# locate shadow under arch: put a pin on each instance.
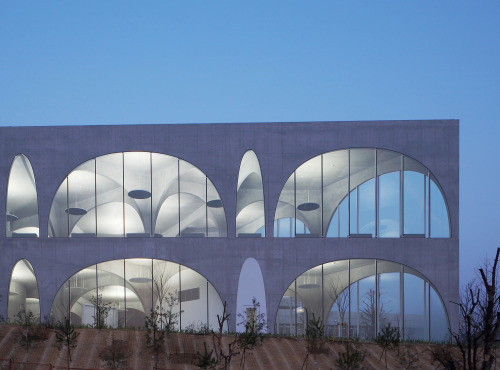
(131, 288)
(358, 297)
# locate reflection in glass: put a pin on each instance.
(22, 203)
(250, 219)
(363, 193)
(359, 297)
(23, 291)
(137, 194)
(130, 289)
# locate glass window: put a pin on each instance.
(286, 209)
(335, 183)
(137, 187)
(389, 205)
(308, 200)
(389, 305)
(23, 291)
(81, 200)
(336, 298)
(22, 203)
(438, 319)
(415, 308)
(440, 227)
(165, 195)
(109, 195)
(362, 194)
(250, 219)
(136, 194)
(286, 316)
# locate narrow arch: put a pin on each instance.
(250, 215)
(22, 202)
(250, 287)
(23, 292)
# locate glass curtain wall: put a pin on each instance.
(359, 297)
(361, 193)
(250, 219)
(21, 219)
(23, 291)
(137, 194)
(122, 293)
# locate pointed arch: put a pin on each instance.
(23, 291)
(22, 201)
(250, 219)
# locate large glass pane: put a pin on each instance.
(166, 291)
(389, 297)
(308, 196)
(250, 198)
(388, 175)
(109, 195)
(362, 169)
(389, 206)
(81, 200)
(333, 228)
(309, 298)
(366, 208)
(335, 183)
(23, 291)
(137, 185)
(440, 227)
(193, 299)
(83, 294)
(286, 208)
(111, 299)
(336, 298)
(414, 202)
(193, 203)
(165, 195)
(438, 319)
(216, 218)
(58, 218)
(363, 299)
(60, 310)
(415, 309)
(22, 203)
(139, 297)
(286, 319)
(215, 307)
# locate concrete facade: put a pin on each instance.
(217, 149)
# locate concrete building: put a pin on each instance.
(352, 222)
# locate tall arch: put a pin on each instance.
(250, 219)
(23, 291)
(362, 192)
(22, 202)
(137, 194)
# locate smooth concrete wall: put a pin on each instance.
(217, 149)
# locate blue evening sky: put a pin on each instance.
(129, 62)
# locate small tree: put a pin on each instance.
(115, 355)
(66, 337)
(315, 334)
(480, 319)
(255, 325)
(155, 334)
(388, 340)
(26, 319)
(222, 356)
(351, 359)
(206, 359)
(101, 311)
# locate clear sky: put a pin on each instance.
(124, 62)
